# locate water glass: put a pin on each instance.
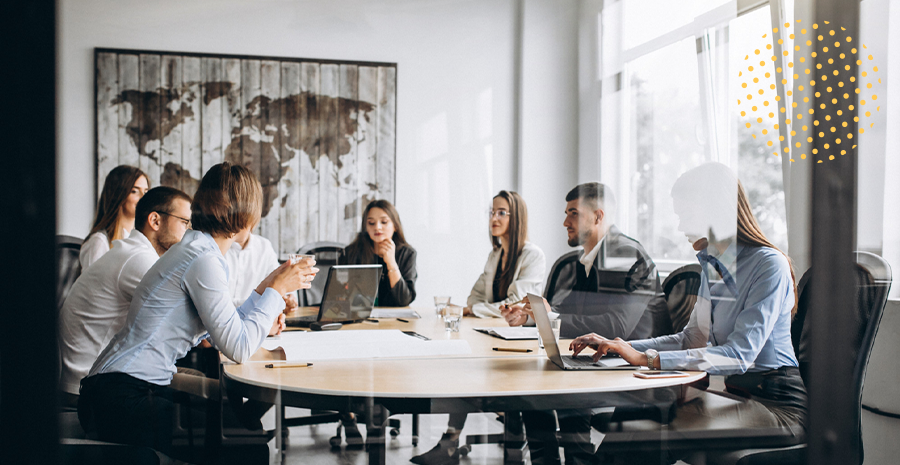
(439, 303)
(554, 325)
(295, 258)
(452, 317)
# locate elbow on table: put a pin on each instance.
(240, 355)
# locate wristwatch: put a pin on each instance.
(652, 355)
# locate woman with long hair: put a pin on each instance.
(514, 268)
(183, 299)
(741, 324)
(381, 241)
(122, 189)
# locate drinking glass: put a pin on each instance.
(295, 258)
(439, 303)
(452, 317)
(554, 325)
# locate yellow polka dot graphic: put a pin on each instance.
(790, 53)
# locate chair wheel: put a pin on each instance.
(395, 432)
(464, 450)
(415, 441)
(335, 441)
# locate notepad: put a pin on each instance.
(394, 313)
(361, 345)
(518, 333)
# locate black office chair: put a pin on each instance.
(327, 255)
(874, 278)
(69, 268)
(681, 288)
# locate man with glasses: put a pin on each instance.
(98, 303)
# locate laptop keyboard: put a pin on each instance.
(580, 360)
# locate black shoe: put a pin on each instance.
(446, 452)
(354, 438)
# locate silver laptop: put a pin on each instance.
(540, 307)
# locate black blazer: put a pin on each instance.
(615, 300)
(404, 292)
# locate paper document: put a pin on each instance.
(394, 313)
(518, 333)
(360, 345)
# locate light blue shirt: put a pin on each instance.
(183, 297)
(749, 317)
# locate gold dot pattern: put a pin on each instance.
(839, 96)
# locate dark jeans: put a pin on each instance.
(122, 409)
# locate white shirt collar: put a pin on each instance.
(139, 238)
(587, 258)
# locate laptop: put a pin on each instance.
(349, 296)
(540, 307)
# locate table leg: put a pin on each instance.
(279, 418)
(513, 439)
(376, 419)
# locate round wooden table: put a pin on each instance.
(482, 381)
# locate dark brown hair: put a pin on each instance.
(598, 194)
(116, 189)
(228, 200)
(517, 234)
(362, 249)
(160, 200)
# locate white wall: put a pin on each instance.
(455, 102)
(549, 119)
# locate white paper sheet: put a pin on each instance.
(360, 345)
(394, 313)
(517, 333)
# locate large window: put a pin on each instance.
(670, 103)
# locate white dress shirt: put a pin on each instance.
(587, 259)
(248, 266)
(182, 298)
(94, 247)
(528, 277)
(98, 304)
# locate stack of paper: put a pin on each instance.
(359, 345)
(518, 333)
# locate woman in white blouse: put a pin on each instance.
(122, 189)
(514, 268)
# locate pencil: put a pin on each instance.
(511, 349)
(401, 319)
(289, 365)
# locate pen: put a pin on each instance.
(289, 365)
(511, 349)
(369, 320)
(401, 319)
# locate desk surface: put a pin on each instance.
(484, 372)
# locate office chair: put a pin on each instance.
(69, 268)
(874, 278)
(327, 255)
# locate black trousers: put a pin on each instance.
(574, 437)
(122, 409)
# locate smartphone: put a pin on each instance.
(654, 374)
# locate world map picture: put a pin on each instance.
(319, 134)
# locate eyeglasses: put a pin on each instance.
(186, 221)
(500, 213)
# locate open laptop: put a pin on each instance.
(349, 296)
(540, 307)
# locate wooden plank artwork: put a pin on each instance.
(319, 135)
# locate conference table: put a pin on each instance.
(483, 380)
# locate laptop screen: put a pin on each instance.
(349, 293)
(540, 309)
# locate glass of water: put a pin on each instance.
(554, 325)
(295, 258)
(452, 317)
(440, 301)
